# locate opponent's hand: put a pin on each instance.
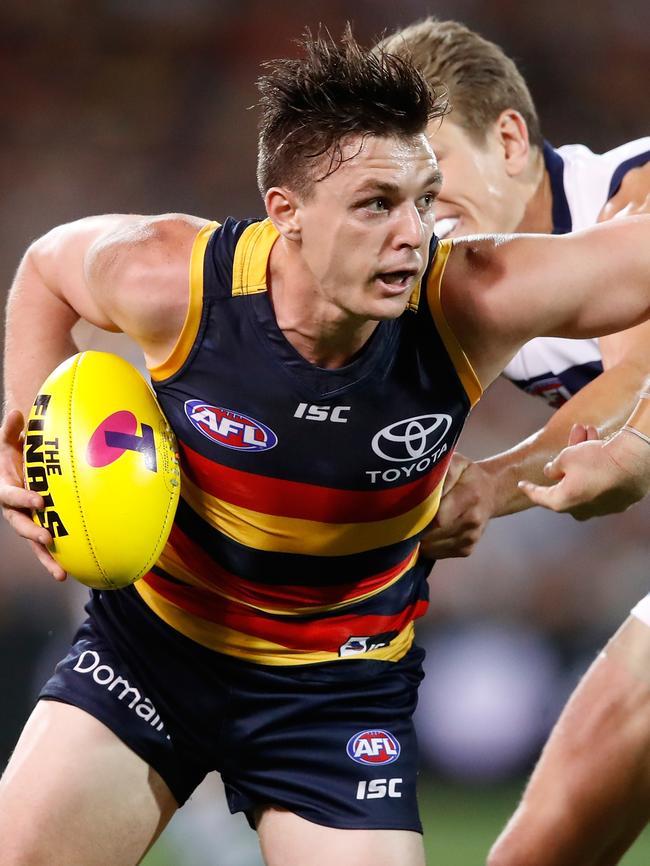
(594, 478)
(465, 508)
(17, 502)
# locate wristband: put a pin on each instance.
(636, 432)
(639, 420)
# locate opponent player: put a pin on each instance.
(317, 374)
(500, 175)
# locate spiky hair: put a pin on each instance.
(336, 90)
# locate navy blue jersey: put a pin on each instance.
(304, 490)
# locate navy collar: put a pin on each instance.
(555, 167)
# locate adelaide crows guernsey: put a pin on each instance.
(304, 490)
(582, 183)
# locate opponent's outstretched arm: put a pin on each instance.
(475, 492)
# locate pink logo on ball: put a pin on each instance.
(117, 434)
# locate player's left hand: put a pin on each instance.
(593, 478)
(465, 508)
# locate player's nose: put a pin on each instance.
(409, 227)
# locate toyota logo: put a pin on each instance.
(411, 438)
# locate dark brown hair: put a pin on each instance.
(480, 79)
(337, 89)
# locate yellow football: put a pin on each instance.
(103, 456)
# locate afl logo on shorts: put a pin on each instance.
(229, 428)
(373, 747)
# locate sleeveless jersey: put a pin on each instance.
(304, 490)
(582, 182)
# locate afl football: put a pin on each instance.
(103, 456)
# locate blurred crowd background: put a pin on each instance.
(147, 106)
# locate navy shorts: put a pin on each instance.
(332, 742)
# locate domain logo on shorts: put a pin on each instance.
(373, 747)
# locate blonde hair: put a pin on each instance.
(481, 81)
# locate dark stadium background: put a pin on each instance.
(143, 106)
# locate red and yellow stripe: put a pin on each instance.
(284, 534)
(233, 629)
(188, 563)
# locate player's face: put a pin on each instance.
(365, 230)
(478, 194)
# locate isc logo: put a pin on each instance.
(322, 413)
(373, 747)
(376, 789)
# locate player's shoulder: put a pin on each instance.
(583, 181)
(637, 150)
(157, 230)
(144, 243)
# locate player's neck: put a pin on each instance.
(538, 214)
(323, 335)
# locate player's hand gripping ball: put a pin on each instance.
(103, 456)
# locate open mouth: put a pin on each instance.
(398, 281)
(445, 226)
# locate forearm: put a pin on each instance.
(37, 337)
(634, 440)
(605, 403)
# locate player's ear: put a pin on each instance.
(512, 133)
(282, 208)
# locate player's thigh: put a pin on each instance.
(74, 795)
(590, 792)
(289, 840)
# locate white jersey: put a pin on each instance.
(641, 610)
(582, 182)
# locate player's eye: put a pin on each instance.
(426, 201)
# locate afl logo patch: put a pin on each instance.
(229, 428)
(373, 747)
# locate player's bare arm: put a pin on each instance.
(118, 272)
(487, 281)
(476, 492)
(478, 286)
(604, 403)
(495, 302)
